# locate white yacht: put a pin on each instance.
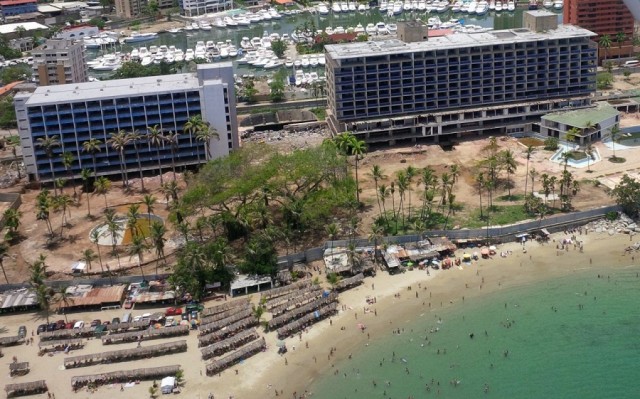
(219, 23)
(407, 5)
(335, 7)
(178, 55)
(344, 6)
(139, 37)
(397, 8)
(442, 7)
(482, 8)
(381, 28)
(322, 9)
(245, 43)
(456, 7)
(392, 28)
(135, 54)
(352, 7)
(288, 62)
(362, 8)
(146, 60)
(266, 42)
(547, 3)
(383, 6)
(230, 22)
(371, 29)
(558, 5)
(499, 6)
(422, 5)
(359, 29)
(110, 62)
(189, 55)
(511, 6)
(492, 5)
(472, 8)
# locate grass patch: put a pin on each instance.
(320, 113)
(617, 160)
(499, 215)
(512, 197)
(531, 141)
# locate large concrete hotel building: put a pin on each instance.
(483, 83)
(78, 112)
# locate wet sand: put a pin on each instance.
(264, 374)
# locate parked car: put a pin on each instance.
(185, 316)
(173, 311)
(22, 331)
(61, 324)
(70, 324)
(52, 327)
(137, 318)
(194, 315)
(96, 323)
(42, 328)
(106, 323)
(79, 324)
(169, 322)
(115, 320)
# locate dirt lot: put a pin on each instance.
(391, 160)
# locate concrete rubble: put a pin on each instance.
(624, 224)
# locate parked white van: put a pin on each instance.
(632, 63)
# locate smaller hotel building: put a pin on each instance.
(78, 112)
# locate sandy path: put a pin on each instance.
(440, 289)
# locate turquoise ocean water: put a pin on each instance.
(573, 337)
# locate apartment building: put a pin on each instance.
(604, 17)
(484, 83)
(193, 8)
(76, 113)
(59, 61)
(130, 8)
(9, 8)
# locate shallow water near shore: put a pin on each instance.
(571, 337)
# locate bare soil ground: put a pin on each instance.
(465, 154)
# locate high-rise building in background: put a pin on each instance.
(59, 61)
(76, 113)
(605, 17)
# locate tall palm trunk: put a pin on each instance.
(526, 179)
(159, 163)
(135, 147)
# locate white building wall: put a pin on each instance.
(24, 131)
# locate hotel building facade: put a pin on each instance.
(483, 83)
(78, 112)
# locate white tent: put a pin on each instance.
(167, 384)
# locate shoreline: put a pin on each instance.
(264, 373)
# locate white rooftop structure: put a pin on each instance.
(244, 282)
(113, 88)
(454, 40)
(11, 28)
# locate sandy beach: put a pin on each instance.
(267, 373)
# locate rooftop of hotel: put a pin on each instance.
(113, 88)
(454, 40)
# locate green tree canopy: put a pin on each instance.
(278, 47)
(627, 195)
(15, 72)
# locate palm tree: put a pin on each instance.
(119, 142)
(64, 297)
(67, 161)
(62, 202)
(193, 125)
(47, 144)
(403, 183)
(383, 194)
(102, 185)
(170, 190)
(481, 182)
(133, 138)
(133, 214)
(156, 138)
(149, 201)
(158, 231)
(12, 222)
(85, 174)
(95, 237)
(428, 180)
(605, 43)
(172, 139)
(375, 236)
(43, 206)
(411, 172)
(589, 150)
(510, 165)
(206, 134)
(88, 256)
(93, 146)
(377, 174)
(137, 248)
(114, 228)
(614, 133)
(357, 148)
(528, 153)
(532, 175)
(572, 134)
(4, 250)
(620, 39)
(445, 183)
(332, 232)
